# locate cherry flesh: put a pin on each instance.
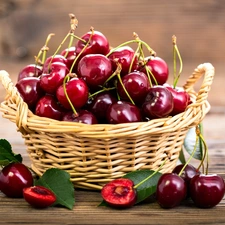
(84, 116)
(158, 103)
(77, 91)
(30, 90)
(30, 70)
(54, 78)
(119, 193)
(136, 84)
(123, 112)
(94, 69)
(14, 178)
(159, 69)
(124, 55)
(48, 107)
(207, 191)
(98, 44)
(171, 190)
(39, 196)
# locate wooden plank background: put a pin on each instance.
(198, 25)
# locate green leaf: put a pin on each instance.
(189, 144)
(7, 155)
(148, 187)
(58, 181)
(182, 156)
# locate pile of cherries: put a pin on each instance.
(91, 82)
(205, 190)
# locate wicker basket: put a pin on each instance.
(96, 154)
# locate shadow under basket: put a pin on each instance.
(96, 154)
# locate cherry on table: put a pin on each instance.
(119, 193)
(14, 178)
(207, 191)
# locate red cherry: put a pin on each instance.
(137, 86)
(123, 112)
(38, 196)
(51, 80)
(77, 91)
(14, 178)
(124, 55)
(94, 69)
(48, 107)
(98, 44)
(158, 103)
(207, 191)
(70, 55)
(119, 193)
(31, 70)
(159, 69)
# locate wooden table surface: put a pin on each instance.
(86, 210)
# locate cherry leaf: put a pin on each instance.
(148, 187)
(7, 155)
(58, 181)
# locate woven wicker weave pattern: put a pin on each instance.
(96, 154)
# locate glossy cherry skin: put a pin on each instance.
(51, 81)
(94, 69)
(98, 44)
(30, 90)
(119, 193)
(14, 178)
(124, 55)
(159, 69)
(39, 196)
(70, 55)
(100, 105)
(84, 116)
(158, 103)
(51, 59)
(123, 112)
(136, 84)
(77, 91)
(171, 190)
(181, 99)
(207, 191)
(48, 107)
(30, 70)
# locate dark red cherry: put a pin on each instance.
(77, 91)
(30, 70)
(158, 102)
(39, 196)
(100, 104)
(84, 116)
(159, 69)
(125, 56)
(136, 84)
(207, 191)
(94, 69)
(171, 190)
(48, 107)
(30, 90)
(52, 59)
(98, 44)
(14, 178)
(181, 99)
(119, 193)
(70, 55)
(54, 78)
(123, 112)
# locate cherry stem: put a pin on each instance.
(69, 75)
(150, 176)
(176, 53)
(86, 45)
(102, 90)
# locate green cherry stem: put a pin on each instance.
(150, 176)
(176, 53)
(102, 90)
